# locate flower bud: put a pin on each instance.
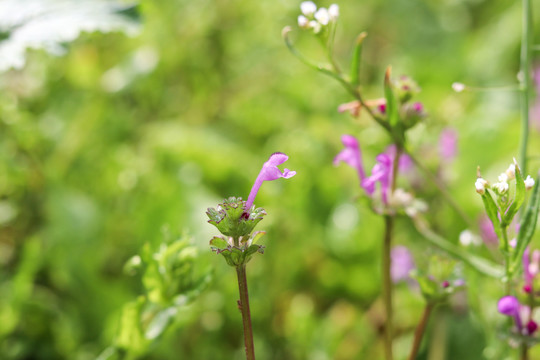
(480, 185)
(333, 11)
(308, 8)
(529, 182)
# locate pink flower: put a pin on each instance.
(448, 144)
(351, 155)
(269, 172)
(510, 306)
(402, 263)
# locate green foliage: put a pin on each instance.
(170, 283)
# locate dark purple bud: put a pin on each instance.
(445, 284)
(531, 327)
(382, 108)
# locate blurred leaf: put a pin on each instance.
(527, 226)
(492, 212)
(357, 60)
(519, 198)
(49, 24)
(391, 103)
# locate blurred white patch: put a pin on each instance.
(467, 238)
(345, 217)
(145, 59)
(7, 212)
(114, 80)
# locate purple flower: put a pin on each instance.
(381, 173)
(448, 144)
(352, 155)
(509, 305)
(269, 172)
(402, 263)
(531, 268)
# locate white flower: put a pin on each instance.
(303, 21)
(480, 185)
(500, 187)
(503, 177)
(333, 11)
(458, 87)
(467, 238)
(308, 8)
(315, 26)
(511, 172)
(322, 16)
(529, 182)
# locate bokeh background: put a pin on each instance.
(125, 137)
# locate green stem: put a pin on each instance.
(419, 333)
(526, 82)
(505, 247)
(387, 285)
(243, 304)
(524, 352)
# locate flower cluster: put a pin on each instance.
(317, 19)
(235, 219)
(510, 306)
(501, 187)
(381, 177)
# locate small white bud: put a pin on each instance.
(316, 26)
(333, 11)
(511, 172)
(500, 187)
(458, 87)
(303, 21)
(529, 182)
(480, 185)
(308, 8)
(322, 16)
(503, 177)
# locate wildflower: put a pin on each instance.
(511, 172)
(308, 8)
(269, 172)
(351, 155)
(333, 11)
(303, 21)
(529, 182)
(480, 185)
(322, 16)
(381, 173)
(458, 87)
(448, 144)
(531, 268)
(510, 306)
(500, 187)
(401, 265)
(487, 232)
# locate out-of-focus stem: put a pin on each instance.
(387, 285)
(525, 79)
(419, 332)
(246, 314)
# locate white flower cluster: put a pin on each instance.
(501, 187)
(316, 19)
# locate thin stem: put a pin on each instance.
(505, 247)
(526, 83)
(524, 352)
(419, 333)
(387, 285)
(243, 304)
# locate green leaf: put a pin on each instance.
(527, 226)
(391, 103)
(518, 199)
(356, 60)
(159, 323)
(219, 243)
(492, 212)
(36, 25)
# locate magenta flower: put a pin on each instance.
(352, 155)
(510, 306)
(381, 173)
(448, 144)
(269, 172)
(531, 268)
(401, 265)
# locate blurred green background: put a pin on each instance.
(124, 136)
